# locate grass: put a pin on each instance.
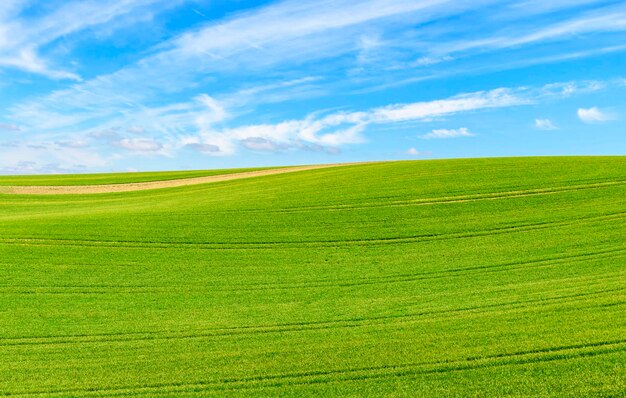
(110, 178)
(486, 277)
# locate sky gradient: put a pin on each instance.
(92, 86)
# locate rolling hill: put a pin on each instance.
(470, 277)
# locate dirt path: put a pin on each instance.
(140, 186)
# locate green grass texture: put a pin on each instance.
(111, 178)
(447, 278)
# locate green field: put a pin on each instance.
(485, 277)
(110, 178)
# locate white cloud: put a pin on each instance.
(566, 89)
(9, 127)
(415, 152)
(30, 33)
(445, 133)
(331, 131)
(594, 115)
(606, 20)
(36, 157)
(280, 25)
(430, 60)
(209, 143)
(214, 112)
(27, 60)
(283, 33)
(533, 7)
(136, 130)
(328, 132)
(286, 33)
(76, 143)
(342, 128)
(545, 124)
(165, 93)
(347, 128)
(497, 98)
(261, 144)
(205, 148)
(199, 124)
(367, 46)
(140, 144)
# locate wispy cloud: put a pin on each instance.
(415, 152)
(277, 29)
(22, 37)
(594, 115)
(497, 98)
(26, 59)
(287, 33)
(20, 158)
(9, 127)
(447, 133)
(534, 40)
(143, 145)
(344, 128)
(535, 7)
(198, 125)
(605, 20)
(545, 124)
(76, 143)
(281, 76)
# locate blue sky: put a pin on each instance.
(91, 86)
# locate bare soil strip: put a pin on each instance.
(141, 186)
